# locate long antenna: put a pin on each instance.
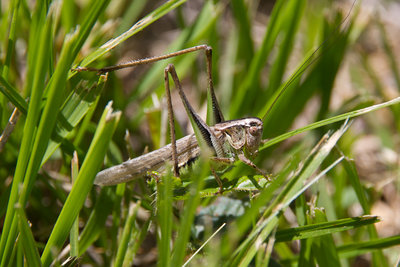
(310, 60)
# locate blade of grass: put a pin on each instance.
(49, 116)
(252, 78)
(350, 168)
(263, 199)
(268, 225)
(189, 37)
(287, 102)
(74, 233)
(140, 25)
(245, 252)
(358, 248)
(74, 109)
(293, 12)
(12, 95)
(131, 15)
(97, 220)
(97, 7)
(26, 239)
(323, 247)
(164, 219)
(9, 228)
(186, 221)
(324, 228)
(328, 121)
(245, 42)
(14, 7)
(83, 184)
(138, 241)
(126, 234)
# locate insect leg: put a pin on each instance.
(214, 110)
(212, 102)
(141, 61)
(171, 123)
(221, 186)
(248, 162)
(201, 129)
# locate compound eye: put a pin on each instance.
(253, 130)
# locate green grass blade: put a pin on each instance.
(12, 95)
(97, 7)
(186, 221)
(83, 184)
(165, 219)
(290, 99)
(131, 15)
(14, 7)
(292, 190)
(324, 249)
(49, 116)
(324, 228)
(245, 42)
(363, 247)
(252, 79)
(293, 12)
(126, 234)
(342, 117)
(140, 25)
(354, 179)
(27, 240)
(73, 111)
(265, 197)
(9, 228)
(74, 233)
(189, 37)
(96, 222)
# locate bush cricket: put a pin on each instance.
(228, 141)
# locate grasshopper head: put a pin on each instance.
(243, 134)
(254, 130)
